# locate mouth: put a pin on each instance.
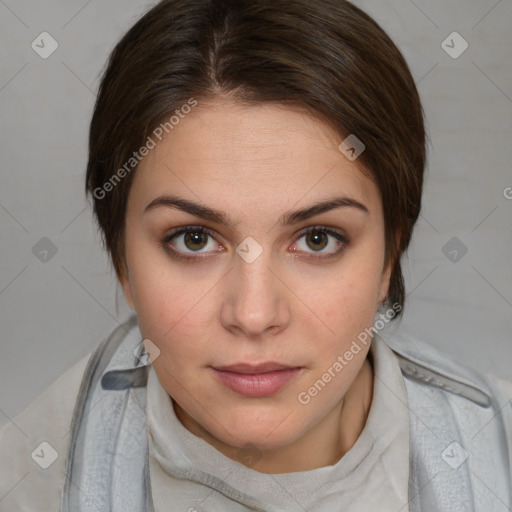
(255, 380)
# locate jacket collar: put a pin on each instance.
(422, 362)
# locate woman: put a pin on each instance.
(256, 172)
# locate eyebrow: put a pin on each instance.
(219, 217)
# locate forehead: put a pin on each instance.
(249, 156)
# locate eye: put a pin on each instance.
(189, 238)
(318, 238)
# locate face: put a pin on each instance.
(249, 303)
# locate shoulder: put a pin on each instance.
(33, 446)
(458, 412)
(424, 364)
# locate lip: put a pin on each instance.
(247, 368)
(255, 380)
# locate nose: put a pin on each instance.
(256, 301)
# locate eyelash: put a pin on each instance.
(178, 255)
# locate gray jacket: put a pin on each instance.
(460, 432)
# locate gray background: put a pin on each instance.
(53, 313)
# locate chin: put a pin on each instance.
(264, 431)
(259, 440)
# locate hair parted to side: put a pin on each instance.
(325, 55)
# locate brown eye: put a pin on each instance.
(195, 240)
(317, 240)
(184, 242)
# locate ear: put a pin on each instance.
(384, 284)
(386, 275)
(124, 279)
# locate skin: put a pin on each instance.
(298, 303)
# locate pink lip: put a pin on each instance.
(253, 368)
(255, 381)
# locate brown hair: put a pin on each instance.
(325, 55)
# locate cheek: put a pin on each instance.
(348, 299)
(160, 283)
(172, 311)
(157, 288)
(175, 322)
